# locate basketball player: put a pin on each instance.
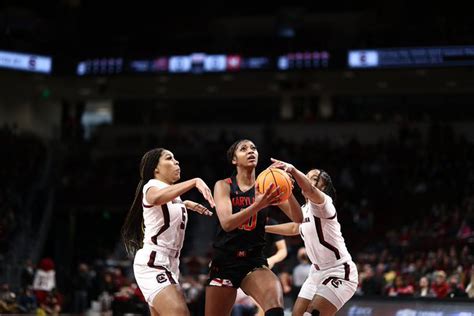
(333, 278)
(238, 259)
(159, 209)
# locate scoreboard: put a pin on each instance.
(199, 63)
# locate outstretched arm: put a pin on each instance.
(157, 196)
(286, 229)
(196, 207)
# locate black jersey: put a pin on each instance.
(250, 235)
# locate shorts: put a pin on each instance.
(155, 270)
(229, 271)
(337, 284)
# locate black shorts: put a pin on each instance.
(229, 269)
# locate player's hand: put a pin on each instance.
(205, 191)
(285, 166)
(271, 196)
(196, 207)
(292, 179)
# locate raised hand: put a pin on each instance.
(285, 166)
(205, 191)
(196, 207)
(271, 196)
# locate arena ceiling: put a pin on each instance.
(86, 27)
(73, 29)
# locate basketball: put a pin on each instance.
(277, 177)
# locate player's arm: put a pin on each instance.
(313, 193)
(292, 209)
(231, 221)
(280, 255)
(196, 207)
(157, 196)
(286, 229)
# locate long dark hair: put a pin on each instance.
(132, 231)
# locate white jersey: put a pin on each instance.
(164, 224)
(322, 236)
(44, 280)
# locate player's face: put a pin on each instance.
(168, 169)
(315, 179)
(246, 154)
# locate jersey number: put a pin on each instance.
(251, 224)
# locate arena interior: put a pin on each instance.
(380, 95)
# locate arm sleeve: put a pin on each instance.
(149, 184)
(325, 209)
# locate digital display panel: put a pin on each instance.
(303, 60)
(201, 63)
(412, 57)
(26, 62)
(100, 66)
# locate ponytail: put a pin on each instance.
(132, 229)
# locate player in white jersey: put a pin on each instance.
(154, 230)
(333, 277)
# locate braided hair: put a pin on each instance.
(328, 186)
(132, 230)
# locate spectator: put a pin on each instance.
(81, 284)
(440, 287)
(424, 289)
(52, 304)
(470, 285)
(7, 300)
(370, 284)
(27, 274)
(455, 287)
(300, 272)
(27, 301)
(400, 287)
(45, 279)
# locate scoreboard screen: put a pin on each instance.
(453, 56)
(201, 63)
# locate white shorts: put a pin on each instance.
(337, 284)
(154, 270)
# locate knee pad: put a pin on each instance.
(313, 313)
(277, 311)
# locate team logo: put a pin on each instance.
(221, 282)
(161, 278)
(336, 283)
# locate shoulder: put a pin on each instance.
(327, 201)
(227, 182)
(223, 185)
(155, 183)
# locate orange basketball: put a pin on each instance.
(277, 177)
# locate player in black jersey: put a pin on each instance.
(238, 247)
